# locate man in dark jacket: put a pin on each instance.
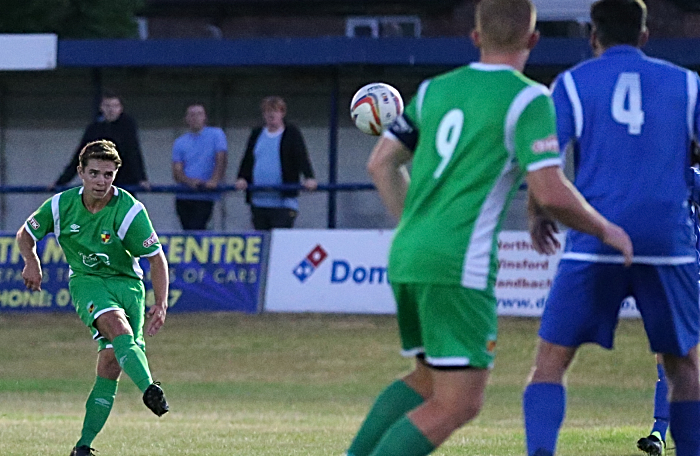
(276, 154)
(120, 128)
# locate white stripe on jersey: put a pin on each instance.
(520, 102)
(692, 101)
(637, 259)
(575, 101)
(56, 215)
(420, 96)
(130, 216)
(475, 271)
(544, 164)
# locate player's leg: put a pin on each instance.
(655, 443)
(570, 319)
(459, 327)
(684, 407)
(114, 326)
(402, 395)
(668, 301)
(101, 399)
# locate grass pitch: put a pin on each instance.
(280, 384)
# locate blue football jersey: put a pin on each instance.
(632, 120)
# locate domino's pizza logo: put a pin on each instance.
(309, 264)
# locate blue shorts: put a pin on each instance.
(585, 300)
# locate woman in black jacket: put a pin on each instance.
(276, 154)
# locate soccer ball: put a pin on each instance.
(375, 107)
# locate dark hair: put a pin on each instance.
(109, 93)
(100, 150)
(618, 21)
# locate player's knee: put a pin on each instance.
(107, 365)
(458, 412)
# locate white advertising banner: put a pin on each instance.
(28, 51)
(345, 271)
(329, 271)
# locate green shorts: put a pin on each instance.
(93, 296)
(453, 326)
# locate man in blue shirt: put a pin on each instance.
(632, 120)
(199, 163)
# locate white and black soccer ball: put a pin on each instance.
(375, 107)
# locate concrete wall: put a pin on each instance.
(42, 117)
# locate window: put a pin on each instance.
(383, 26)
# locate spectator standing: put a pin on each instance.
(115, 125)
(199, 163)
(276, 154)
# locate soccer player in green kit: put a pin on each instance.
(103, 230)
(471, 134)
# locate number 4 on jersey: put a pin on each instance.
(628, 88)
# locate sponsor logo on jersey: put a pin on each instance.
(548, 144)
(74, 228)
(106, 237)
(308, 265)
(152, 239)
(33, 223)
(93, 259)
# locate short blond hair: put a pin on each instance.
(505, 25)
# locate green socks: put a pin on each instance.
(132, 360)
(403, 439)
(393, 403)
(97, 409)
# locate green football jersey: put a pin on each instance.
(479, 129)
(105, 244)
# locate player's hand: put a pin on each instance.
(617, 238)
(241, 184)
(32, 276)
(211, 184)
(156, 318)
(543, 234)
(310, 184)
(145, 185)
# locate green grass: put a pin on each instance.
(279, 384)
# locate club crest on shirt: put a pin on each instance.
(106, 237)
(91, 307)
(33, 223)
(490, 346)
(548, 144)
(152, 239)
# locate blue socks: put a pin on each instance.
(661, 407)
(685, 428)
(544, 406)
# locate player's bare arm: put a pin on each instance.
(559, 199)
(386, 166)
(542, 228)
(31, 273)
(160, 280)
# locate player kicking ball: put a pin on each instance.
(103, 230)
